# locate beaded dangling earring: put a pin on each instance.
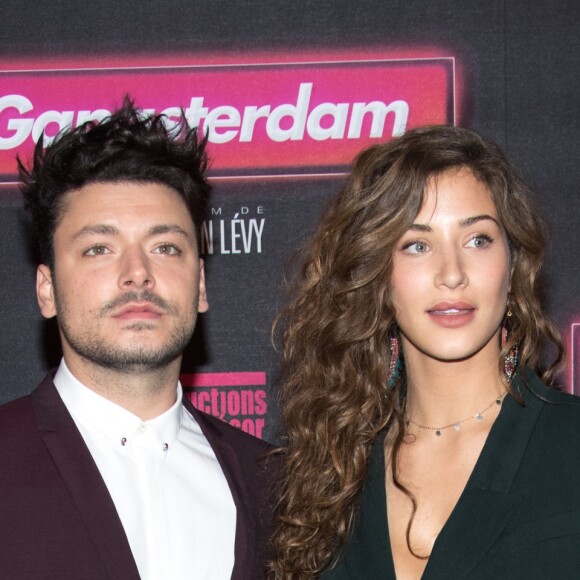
(511, 358)
(395, 364)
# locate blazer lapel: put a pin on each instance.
(245, 550)
(84, 482)
(486, 504)
(476, 522)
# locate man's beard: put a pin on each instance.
(128, 359)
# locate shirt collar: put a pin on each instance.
(93, 411)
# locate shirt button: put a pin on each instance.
(142, 428)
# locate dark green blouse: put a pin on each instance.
(519, 514)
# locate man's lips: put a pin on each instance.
(142, 311)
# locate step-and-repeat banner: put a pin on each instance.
(287, 98)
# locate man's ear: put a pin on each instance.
(203, 303)
(45, 291)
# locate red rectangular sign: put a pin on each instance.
(272, 118)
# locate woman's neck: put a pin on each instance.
(440, 392)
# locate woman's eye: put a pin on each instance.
(415, 247)
(480, 241)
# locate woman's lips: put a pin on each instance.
(452, 315)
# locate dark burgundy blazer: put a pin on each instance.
(57, 519)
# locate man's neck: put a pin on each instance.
(147, 393)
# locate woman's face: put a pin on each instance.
(451, 271)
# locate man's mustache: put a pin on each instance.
(137, 297)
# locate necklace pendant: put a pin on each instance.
(456, 426)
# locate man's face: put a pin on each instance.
(127, 282)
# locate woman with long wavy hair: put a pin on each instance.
(424, 438)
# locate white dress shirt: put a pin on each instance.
(168, 488)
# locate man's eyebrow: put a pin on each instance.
(109, 230)
(97, 229)
(168, 229)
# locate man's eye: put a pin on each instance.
(168, 249)
(97, 251)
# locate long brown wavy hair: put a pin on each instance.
(334, 347)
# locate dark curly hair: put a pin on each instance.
(126, 146)
(334, 347)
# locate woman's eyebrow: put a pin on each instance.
(463, 223)
(477, 218)
(421, 228)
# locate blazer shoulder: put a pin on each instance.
(561, 415)
(17, 417)
(535, 391)
(558, 418)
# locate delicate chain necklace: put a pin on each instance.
(457, 424)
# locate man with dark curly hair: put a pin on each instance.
(106, 471)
